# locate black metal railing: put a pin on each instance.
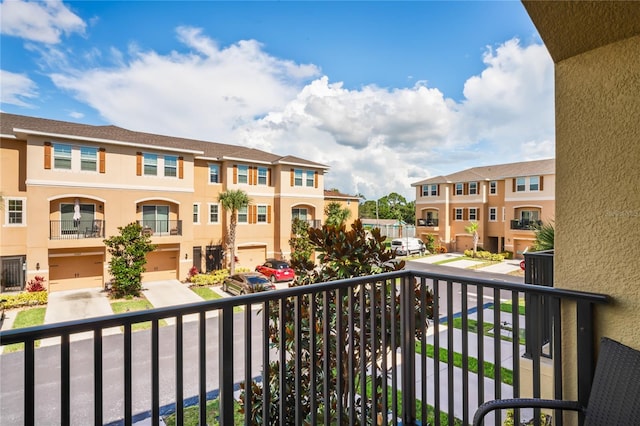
(427, 222)
(421, 370)
(161, 228)
(75, 229)
(529, 225)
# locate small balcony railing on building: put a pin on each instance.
(427, 222)
(387, 364)
(529, 225)
(161, 228)
(75, 229)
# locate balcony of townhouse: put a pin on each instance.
(76, 229)
(525, 224)
(439, 351)
(161, 228)
(430, 222)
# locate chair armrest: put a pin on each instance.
(502, 404)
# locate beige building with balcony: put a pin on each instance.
(66, 187)
(508, 201)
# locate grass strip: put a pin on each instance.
(26, 318)
(134, 305)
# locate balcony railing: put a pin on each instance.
(424, 370)
(529, 225)
(75, 229)
(161, 228)
(427, 222)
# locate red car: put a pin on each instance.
(276, 270)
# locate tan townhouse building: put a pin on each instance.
(508, 201)
(66, 187)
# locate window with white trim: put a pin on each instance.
(298, 213)
(473, 213)
(243, 214)
(261, 214)
(15, 209)
(170, 166)
(310, 178)
(520, 184)
(61, 156)
(534, 183)
(493, 214)
(459, 189)
(243, 174)
(262, 176)
(196, 213)
(458, 214)
(429, 190)
(150, 163)
(214, 213)
(214, 173)
(473, 188)
(493, 187)
(297, 177)
(88, 159)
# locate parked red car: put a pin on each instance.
(276, 270)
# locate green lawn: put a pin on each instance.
(122, 306)
(26, 318)
(192, 415)
(206, 293)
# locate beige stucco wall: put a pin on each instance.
(598, 170)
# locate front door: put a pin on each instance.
(12, 273)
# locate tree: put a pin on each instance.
(545, 235)
(128, 259)
(301, 247)
(341, 254)
(336, 214)
(232, 201)
(473, 230)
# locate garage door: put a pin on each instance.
(75, 272)
(464, 242)
(161, 265)
(251, 256)
(519, 246)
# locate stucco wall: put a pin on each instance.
(598, 191)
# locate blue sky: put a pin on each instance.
(385, 93)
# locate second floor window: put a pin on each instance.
(297, 178)
(15, 211)
(170, 166)
(88, 159)
(458, 214)
(150, 162)
(262, 176)
(243, 174)
(459, 189)
(214, 173)
(298, 213)
(473, 188)
(429, 190)
(310, 178)
(243, 215)
(493, 187)
(520, 184)
(61, 156)
(534, 183)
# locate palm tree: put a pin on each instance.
(336, 214)
(232, 201)
(473, 230)
(545, 235)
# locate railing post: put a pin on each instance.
(225, 345)
(585, 353)
(408, 351)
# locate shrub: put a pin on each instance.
(192, 273)
(36, 284)
(25, 299)
(213, 277)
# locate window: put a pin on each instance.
(88, 159)
(243, 174)
(473, 213)
(459, 189)
(299, 214)
(262, 176)
(493, 214)
(262, 214)
(76, 218)
(243, 215)
(520, 184)
(297, 178)
(214, 173)
(214, 213)
(458, 214)
(155, 218)
(15, 208)
(473, 188)
(150, 162)
(61, 156)
(493, 187)
(528, 217)
(430, 190)
(310, 178)
(196, 213)
(534, 183)
(170, 166)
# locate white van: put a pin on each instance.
(407, 246)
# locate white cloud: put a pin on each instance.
(375, 140)
(42, 21)
(17, 89)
